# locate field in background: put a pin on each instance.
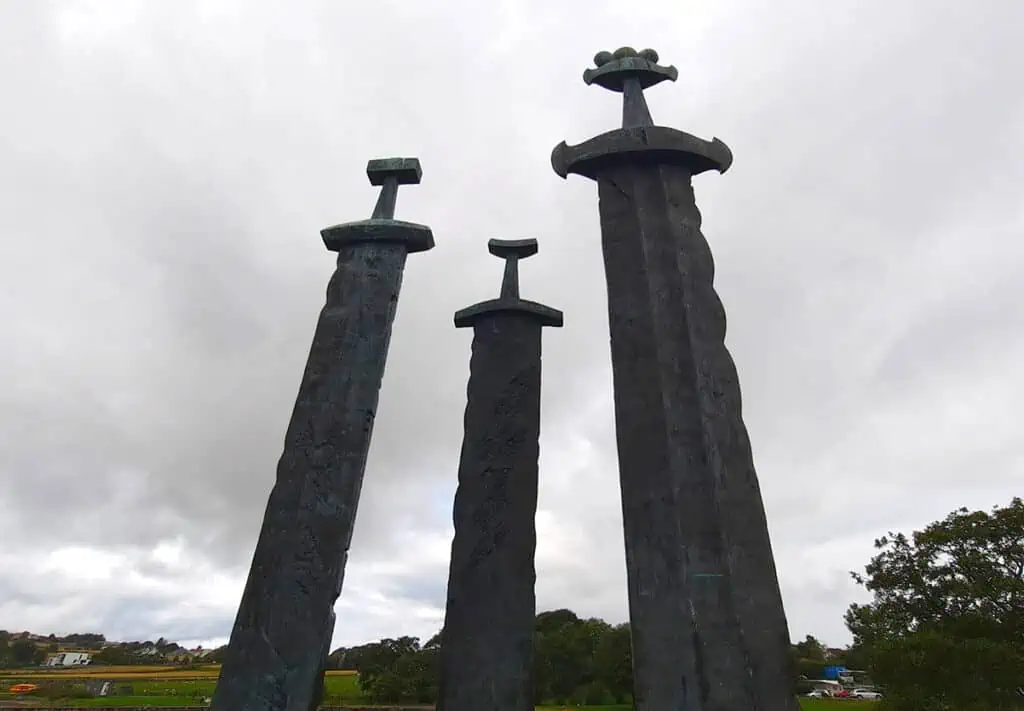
(131, 671)
(183, 686)
(151, 685)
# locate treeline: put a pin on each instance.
(147, 652)
(19, 650)
(24, 649)
(577, 662)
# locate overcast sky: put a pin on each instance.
(165, 169)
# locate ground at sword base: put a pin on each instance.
(188, 687)
(173, 704)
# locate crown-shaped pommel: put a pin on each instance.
(615, 68)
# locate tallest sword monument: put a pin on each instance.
(709, 631)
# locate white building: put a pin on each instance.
(67, 659)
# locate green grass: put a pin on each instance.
(347, 686)
(120, 701)
(177, 700)
(339, 689)
(805, 705)
(344, 686)
(160, 691)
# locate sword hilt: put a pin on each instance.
(389, 173)
(630, 72)
(511, 250)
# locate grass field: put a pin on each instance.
(805, 705)
(176, 686)
(130, 672)
(150, 685)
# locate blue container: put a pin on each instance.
(833, 672)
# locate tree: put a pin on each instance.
(5, 648)
(88, 640)
(613, 662)
(116, 654)
(216, 656)
(559, 656)
(412, 678)
(376, 659)
(584, 662)
(24, 653)
(811, 649)
(395, 670)
(945, 629)
(571, 657)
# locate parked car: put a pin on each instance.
(817, 694)
(866, 694)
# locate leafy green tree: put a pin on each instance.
(24, 653)
(116, 654)
(560, 663)
(855, 657)
(613, 663)
(945, 629)
(412, 677)
(373, 661)
(810, 669)
(810, 648)
(87, 640)
(216, 656)
(577, 661)
(573, 660)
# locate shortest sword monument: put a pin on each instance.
(282, 633)
(708, 628)
(488, 636)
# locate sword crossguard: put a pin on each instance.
(388, 174)
(511, 250)
(630, 72)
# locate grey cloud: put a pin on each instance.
(430, 591)
(975, 326)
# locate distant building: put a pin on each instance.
(67, 659)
